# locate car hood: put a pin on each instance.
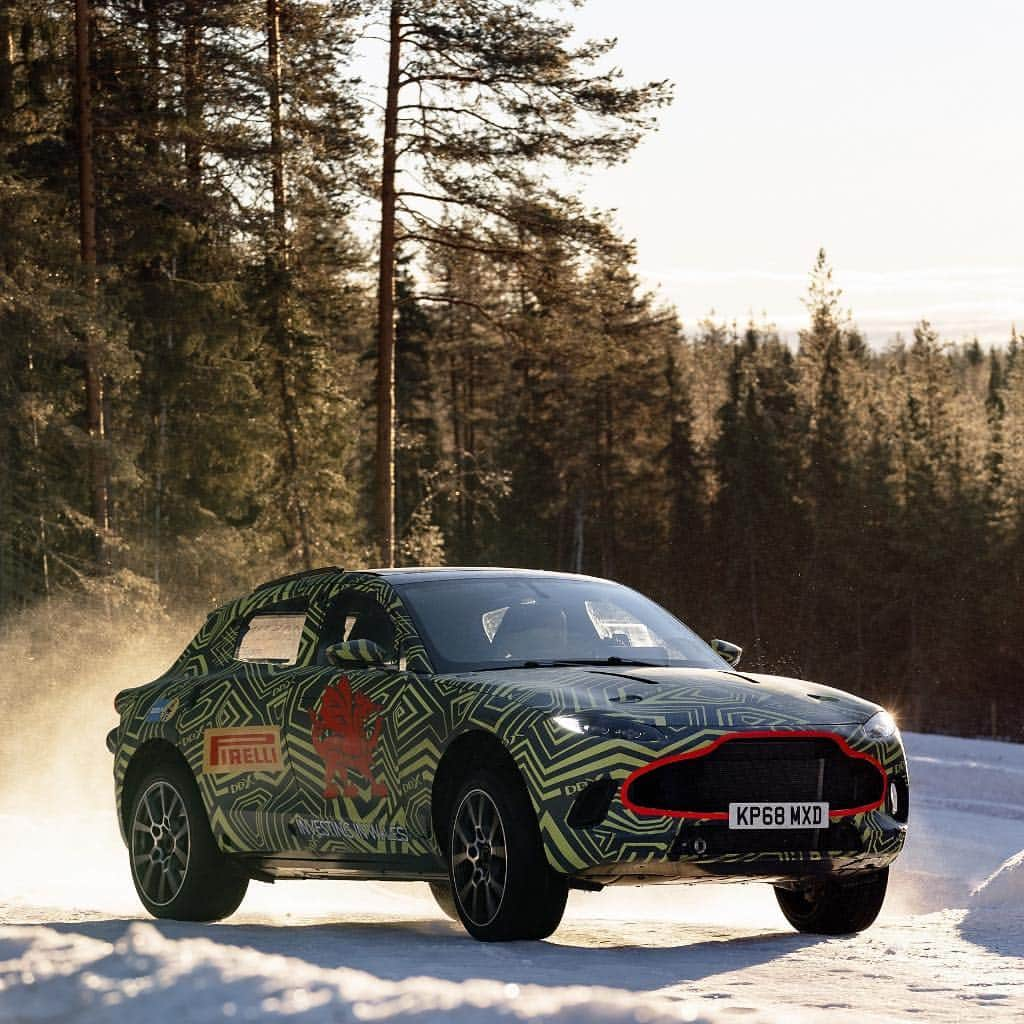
(680, 696)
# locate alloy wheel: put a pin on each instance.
(160, 842)
(479, 857)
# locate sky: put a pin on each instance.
(889, 133)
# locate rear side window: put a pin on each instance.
(272, 637)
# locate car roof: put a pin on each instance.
(405, 575)
(419, 574)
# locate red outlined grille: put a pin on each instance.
(758, 767)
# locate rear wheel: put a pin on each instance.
(501, 883)
(177, 869)
(833, 905)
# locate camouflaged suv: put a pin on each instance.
(505, 735)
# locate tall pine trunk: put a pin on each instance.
(153, 80)
(386, 304)
(87, 237)
(193, 101)
(6, 68)
(280, 328)
(604, 423)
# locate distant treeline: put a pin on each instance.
(195, 409)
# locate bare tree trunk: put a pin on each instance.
(470, 478)
(194, 100)
(458, 443)
(276, 138)
(39, 479)
(87, 235)
(6, 66)
(158, 401)
(158, 487)
(106, 420)
(151, 138)
(456, 378)
(577, 535)
(386, 304)
(281, 328)
(606, 448)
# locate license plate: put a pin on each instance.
(783, 815)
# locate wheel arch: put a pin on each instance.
(151, 753)
(470, 749)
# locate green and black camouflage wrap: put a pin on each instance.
(351, 753)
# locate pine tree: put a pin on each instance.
(757, 526)
(995, 469)
(481, 97)
(824, 354)
(684, 536)
(54, 320)
(421, 466)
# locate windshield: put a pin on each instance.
(504, 622)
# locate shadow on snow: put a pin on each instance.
(400, 949)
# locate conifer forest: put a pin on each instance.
(286, 284)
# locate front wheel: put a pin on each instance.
(833, 905)
(502, 885)
(445, 899)
(178, 871)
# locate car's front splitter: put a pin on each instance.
(767, 868)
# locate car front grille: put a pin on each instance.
(756, 770)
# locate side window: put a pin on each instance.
(272, 635)
(355, 616)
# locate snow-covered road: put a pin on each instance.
(75, 946)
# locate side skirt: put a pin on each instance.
(270, 869)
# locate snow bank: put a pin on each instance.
(940, 767)
(1004, 889)
(966, 818)
(995, 916)
(56, 975)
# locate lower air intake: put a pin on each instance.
(590, 807)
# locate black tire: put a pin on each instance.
(178, 871)
(443, 897)
(835, 906)
(502, 885)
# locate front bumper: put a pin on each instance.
(621, 845)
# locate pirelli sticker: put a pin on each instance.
(247, 749)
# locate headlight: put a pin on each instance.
(609, 727)
(880, 726)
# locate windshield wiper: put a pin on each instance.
(613, 660)
(504, 666)
(570, 662)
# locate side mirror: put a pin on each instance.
(727, 651)
(350, 653)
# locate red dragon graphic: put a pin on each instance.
(341, 739)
